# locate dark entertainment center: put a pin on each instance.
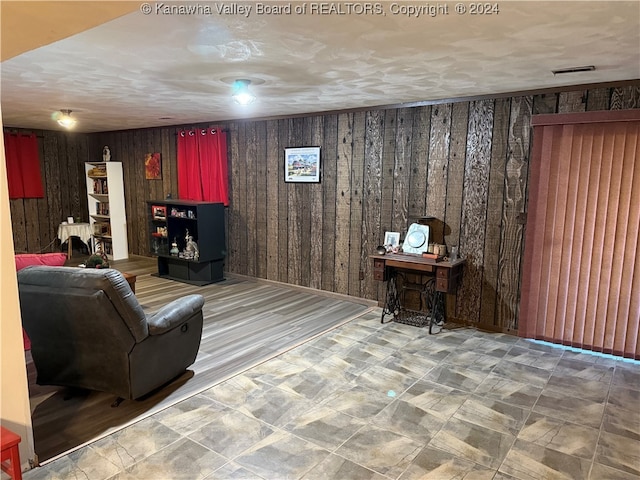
(170, 222)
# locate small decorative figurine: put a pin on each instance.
(191, 249)
(174, 248)
(106, 154)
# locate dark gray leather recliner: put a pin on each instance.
(88, 331)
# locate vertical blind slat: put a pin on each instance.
(626, 335)
(607, 297)
(579, 267)
(595, 298)
(565, 306)
(531, 269)
(616, 311)
(550, 244)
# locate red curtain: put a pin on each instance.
(202, 165)
(23, 166)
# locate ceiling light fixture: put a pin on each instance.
(64, 119)
(241, 93)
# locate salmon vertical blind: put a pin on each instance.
(581, 271)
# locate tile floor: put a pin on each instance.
(372, 401)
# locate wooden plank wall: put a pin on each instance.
(465, 163)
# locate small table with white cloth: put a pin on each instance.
(80, 230)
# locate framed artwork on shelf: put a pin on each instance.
(159, 212)
(392, 239)
(302, 165)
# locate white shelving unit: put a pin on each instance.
(107, 215)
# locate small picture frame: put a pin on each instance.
(392, 239)
(159, 212)
(302, 165)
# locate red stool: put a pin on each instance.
(10, 453)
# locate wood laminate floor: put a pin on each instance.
(246, 322)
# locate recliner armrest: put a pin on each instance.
(174, 314)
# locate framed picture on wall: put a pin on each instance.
(302, 165)
(152, 166)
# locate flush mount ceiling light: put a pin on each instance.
(241, 93)
(65, 120)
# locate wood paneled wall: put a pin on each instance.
(465, 163)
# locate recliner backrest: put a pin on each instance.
(62, 280)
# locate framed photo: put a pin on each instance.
(302, 165)
(392, 239)
(159, 212)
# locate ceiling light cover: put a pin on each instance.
(65, 120)
(241, 93)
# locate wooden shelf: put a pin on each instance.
(110, 200)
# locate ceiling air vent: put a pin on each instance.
(586, 68)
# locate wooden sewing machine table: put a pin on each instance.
(435, 279)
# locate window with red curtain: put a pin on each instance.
(202, 165)
(23, 165)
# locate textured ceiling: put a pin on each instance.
(166, 68)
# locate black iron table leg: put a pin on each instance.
(392, 300)
(438, 313)
(433, 300)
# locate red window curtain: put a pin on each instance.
(23, 166)
(202, 165)
(581, 270)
